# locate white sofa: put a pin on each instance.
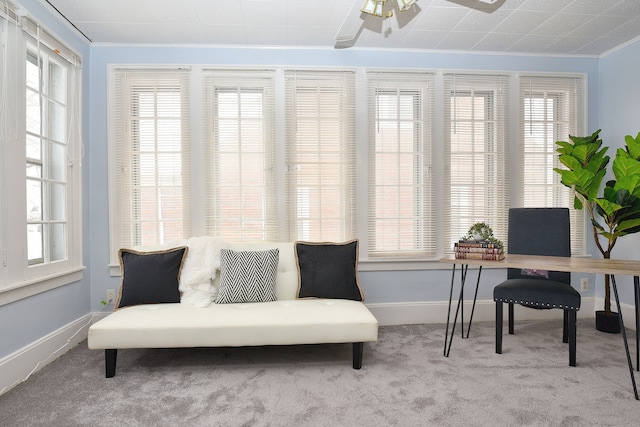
(286, 321)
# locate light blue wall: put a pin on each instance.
(379, 287)
(613, 94)
(619, 113)
(30, 319)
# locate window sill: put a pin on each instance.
(16, 292)
(399, 265)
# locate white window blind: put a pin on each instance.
(320, 155)
(475, 149)
(240, 147)
(551, 109)
(401, 219)
(151, 201)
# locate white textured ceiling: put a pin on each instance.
(583, 27)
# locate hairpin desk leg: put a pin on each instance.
(636, 291)
(624, 336)
(464, 268)
(463, 276)
(446, 332)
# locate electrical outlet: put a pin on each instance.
(584, 284)
(111, 296)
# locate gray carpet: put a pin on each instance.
(405, 381)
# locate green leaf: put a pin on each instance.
(598, 161)
(594, 185)
(568, 177)
(609, 208)
(597, 225)
(633, 146)
(577, 203)
(629, 184)
(628, 225)
(581, 152)
(622, 196)
(609, 193)
(564, 147)
(608, 236)
(569, 161)
(623, 165)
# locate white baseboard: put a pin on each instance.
(20, 365)
(436, 312)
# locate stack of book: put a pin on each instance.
(478, 250)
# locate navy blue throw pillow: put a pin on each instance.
(150, 277)
(328, 270)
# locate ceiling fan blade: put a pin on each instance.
(352, 24)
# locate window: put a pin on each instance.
(274, 154)
(167, 183)
(46, 157)
(241, 182)
(551, 110)
(320, 155)
(401, 209)
(150, 165)
(41, 154)
(475, 147)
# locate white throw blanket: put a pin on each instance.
(199, 269)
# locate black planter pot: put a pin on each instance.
(608, 322)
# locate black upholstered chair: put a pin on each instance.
(539, 231)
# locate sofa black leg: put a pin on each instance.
(110, 356)
(358, 348)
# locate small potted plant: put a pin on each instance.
(619, 205)
(481, 232)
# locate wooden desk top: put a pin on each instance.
(583, 265)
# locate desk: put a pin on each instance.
(611, 267)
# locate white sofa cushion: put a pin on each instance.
(269, 323)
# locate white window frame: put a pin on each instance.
(19, 279)
(308, 168)
(410, 235)
(240, 142)
(492, 157)
(125, 185)
(566, 94)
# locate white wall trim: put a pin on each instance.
(405, 313)
(20, 365)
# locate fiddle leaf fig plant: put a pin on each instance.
(616, 212)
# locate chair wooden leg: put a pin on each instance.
(572, 337)
(498, 327)
(511, 318)
(565, 327)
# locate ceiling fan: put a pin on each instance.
(371, 14)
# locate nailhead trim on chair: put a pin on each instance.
(536, 304)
